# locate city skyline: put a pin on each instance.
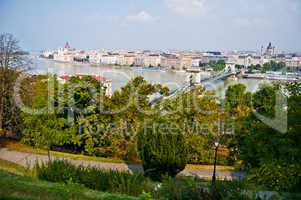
(166, 24)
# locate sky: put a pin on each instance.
(153, 24)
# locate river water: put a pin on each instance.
(121, 75)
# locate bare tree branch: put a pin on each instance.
(12, 64)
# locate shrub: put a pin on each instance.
(229, 190)
(96, 179)
(182, 189)
(200, 151)
(57, 171)
(273, 176)
(186, 188)
(162, 149)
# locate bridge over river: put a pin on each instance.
(227, 72)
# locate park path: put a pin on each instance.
(29, 159)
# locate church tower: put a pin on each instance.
(67, 46)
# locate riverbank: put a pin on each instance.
(135, 67)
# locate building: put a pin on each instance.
(95, 57)
(139, 59)
(196, 62)
(106, 82)
(129, 60)
(293, 64)
(152, 60)
(270, 50)
(47, 54)
(126, 59)
(206, 58)
(171, 61)
(65, 54)
(110, 59)
(247, 60)
(186, 62)
(81, 56)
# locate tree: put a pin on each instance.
(264, 100)
(273, 66)
(161, 147)
(199, 114)
(45, 131)
(238, 100)
(12, 64)
(129, 107)
(217, 65)
(272, 157)
(252, 67)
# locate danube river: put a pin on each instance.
(121, 75)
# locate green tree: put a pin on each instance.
(161, 146)
(238, 100)
(217, 65)
(45, 131)
(46, 128)
(272, 156)
(198, 113)
(129, 108)
(273, 66)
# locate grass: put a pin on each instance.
(20, 187)
(16, 146)
(210, 167)
(12, 167)
(16, 184)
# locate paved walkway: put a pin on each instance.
(29, 159)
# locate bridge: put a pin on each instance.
(228, 71)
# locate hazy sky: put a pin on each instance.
(153, 24)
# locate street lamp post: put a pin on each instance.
(216, 144)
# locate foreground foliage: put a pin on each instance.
(93, 178)
(19, 187)
(272, 156)
(12, 167)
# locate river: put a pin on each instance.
(121, 75)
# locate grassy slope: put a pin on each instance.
(21, 187)
(15, 184)
(12, 167)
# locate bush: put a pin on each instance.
(182, 189)
(57, 171)
(229, 190)
(162, 149)
(186, 188)
(200, 151)
(273, 176)
(96, 179)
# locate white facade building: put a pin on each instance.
(111, 59)
(153, 60)
(95, 57)
(65, 54)
(248, 60)
(196, 62)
